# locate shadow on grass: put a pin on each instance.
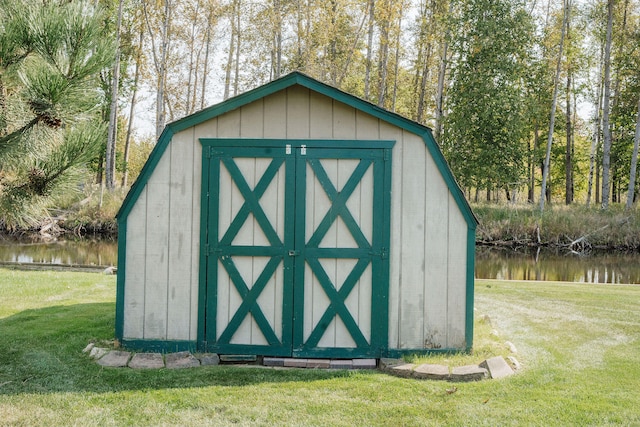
(41, 352)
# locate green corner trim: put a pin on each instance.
(122, 247)
(162, 346)
(470, 294)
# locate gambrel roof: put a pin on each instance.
(292, 79)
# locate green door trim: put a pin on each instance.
(372, 154)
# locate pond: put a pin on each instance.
(491, 263)
(565, 266)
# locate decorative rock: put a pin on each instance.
(295, 363)
(516, 365)
(364, 363)
(404, 370)
(110, 270)
(431, 372)
(115, 359)
(386, 364)
(468, 373)
(182, 359)
(318, 363)
(97, 352)
(146, 361)
(89, 347)
(209, 359)
(341, 364)
(512, 348)
(273, 361)
(497, 367)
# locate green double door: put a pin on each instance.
(296, 247)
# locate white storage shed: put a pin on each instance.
(296, 220)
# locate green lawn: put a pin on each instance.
(579, 346)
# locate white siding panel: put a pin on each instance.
(390, 132)
(157, 256)
(134, 295)
(180, 215)
(412, 270)
(344, 121)
(457, 276)
(297, 112)
(251, 120)
(436, 253)
(229, 124)
(208, 129)
(275, 115)
(321, 113)
(367, 127)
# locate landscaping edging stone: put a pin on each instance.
(495, 367)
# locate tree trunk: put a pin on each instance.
(110, 155)
(545, 172)
(442, 71)
(606, 126)
(127, 142)
(595, 140)
(634, 162)
(367, 69)
(232, 39)
(568, 161)
(384, 54)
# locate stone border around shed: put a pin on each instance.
(495, 367)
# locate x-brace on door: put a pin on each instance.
(295, 247)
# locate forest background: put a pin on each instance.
(531, 101)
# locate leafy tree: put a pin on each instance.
(484, 134)
(50, 56)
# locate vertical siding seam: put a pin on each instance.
(144, 280)
(425, 234)
(193, 178)
(401, 245)
(168, 286)
(447, 306)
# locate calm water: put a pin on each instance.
(82, 252)
(563, 266)
(491, 263)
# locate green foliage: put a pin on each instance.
(48, 131)
(484, 140)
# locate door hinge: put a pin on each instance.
(208, 250)
(303, 150)
(386, 155)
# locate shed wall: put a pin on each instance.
(428, 232)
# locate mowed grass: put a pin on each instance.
(578, 344)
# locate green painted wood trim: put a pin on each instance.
(363, 144)
(380, 300)
(120, 283)
(471, 252)
(300, 206)
(159, 346)
(203, 267)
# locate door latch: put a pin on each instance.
(294, 253)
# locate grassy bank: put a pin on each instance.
(579, 345)
(523, 225)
